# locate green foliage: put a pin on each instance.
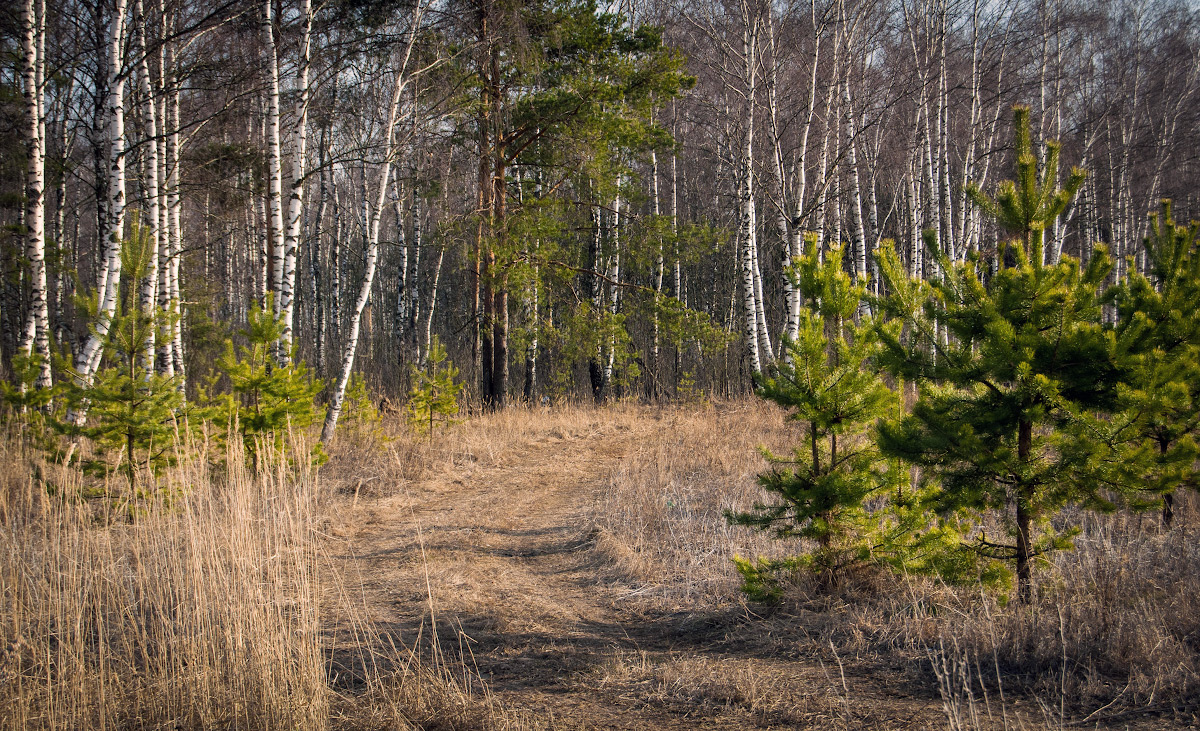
(263, 400)
(1158, 335)
(134, 414)
(33, 406)
(678, 324)
(760, 578)
(357, 407)
(590, 82)
(580, 334)
(836, 489)
(1013, 372)
(433, 399)
(22, 395)
(1031, 203)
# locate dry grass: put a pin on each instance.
(212, 609)
(231, 607)
(193, 614)
(391, 458)
(769, 692)
(1115, 629)
(661, 520)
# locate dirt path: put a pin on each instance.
(502, 556)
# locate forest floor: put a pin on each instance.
(497, 552)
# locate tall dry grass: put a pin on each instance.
(660, 518)
(193, 613)
(390, 457)
(211, 605)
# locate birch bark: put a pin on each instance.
(427, 327)
(174, 203)
(295, 208)
(372, 235)
(275, 243)
(36, 338)
(113, 229)
(748, 226)
(155, 276)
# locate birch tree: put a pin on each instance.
(298, 143)
(36, 337)
(374, 212)
(113, 223)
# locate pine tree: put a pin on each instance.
(264, 399)
(837, 489)
(133, 412)
(1032, 203)
(1158, 333)
(1011, 370)
(433, 399)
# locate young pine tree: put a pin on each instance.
(133, 412)
(1158, 333)
(264, 399)
(1007, 367)
(836, 489)
(433, 399)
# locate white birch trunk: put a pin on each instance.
(275, 243)
(916, 250)
(316, 260)
(400, 315)
(372, 238)
(857, 232)
(154, 279)
(36, 338)
(748, 228)
(659, 272)
(113, 232)
(427, 328)
(295, 208)
(412, 301)
(174, 221)
(614, 290)
(793, 296)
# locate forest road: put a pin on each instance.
(502, 559)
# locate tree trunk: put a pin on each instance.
(531, 349)
(748, 226)
(596, 283)
(427, 328)
(371, 231)
(857, 231)
(295, 208)
(154, 280)
(1024, 516)
(113, 233)
(275, 243)
(174, 206)
(652, 378)
(400, 315)
(316, 260)
(36, 338)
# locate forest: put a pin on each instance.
(705, 363)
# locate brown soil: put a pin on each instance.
(502, 559)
